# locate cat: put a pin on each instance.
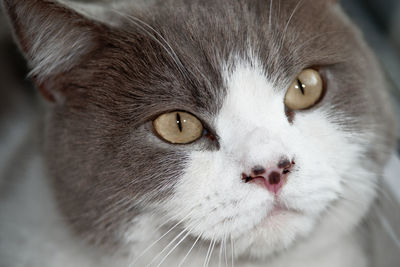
(196, 133)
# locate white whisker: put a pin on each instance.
(211, 252)
(388, 228)
(176, 245)
(190, 250)
(220, 254)
(232, 252)
(225, 252)
(309, 40)
(166, 46)
(161, 237)
(284, 33)
(166, 247)
(208, 252)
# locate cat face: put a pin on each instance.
(258, 173)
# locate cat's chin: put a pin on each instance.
(276, 232)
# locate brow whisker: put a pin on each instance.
(163, 43)
(284, 33)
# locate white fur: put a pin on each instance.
(253, 130)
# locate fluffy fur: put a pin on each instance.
(118, 188)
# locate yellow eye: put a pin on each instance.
(178, 127)
(305, 91)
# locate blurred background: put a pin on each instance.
(378, 19)
(380, 22)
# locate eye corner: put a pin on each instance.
(210, 135)
(289, 114)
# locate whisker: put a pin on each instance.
(176, 245)
(190, 250)
(233, 263)
(212, 249)
(161, 237)
(309, 40)
(167, 246)
(284, 33)
(208, 252)
(225, 252)
(166, 46)
(111, 209)
(384, 192)
(388, 228)
(222, 248)
(220, 254)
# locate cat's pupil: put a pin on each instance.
(300, 86)
(178, 122)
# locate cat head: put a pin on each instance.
(199, 113)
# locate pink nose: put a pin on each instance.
(273, 178)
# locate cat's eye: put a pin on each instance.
(178, 127)
(305, 91)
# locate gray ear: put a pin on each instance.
(53, 37)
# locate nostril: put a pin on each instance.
(246, 178)
(258, 170)
(284, 163)
(274, 178)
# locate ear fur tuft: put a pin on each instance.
(53, 37)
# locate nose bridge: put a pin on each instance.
(255, 145)
(261, 146)
(257, 138)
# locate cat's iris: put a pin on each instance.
(305, 91)
(178, 127)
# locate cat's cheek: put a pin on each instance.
(332, 162)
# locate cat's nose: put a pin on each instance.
(271, 178)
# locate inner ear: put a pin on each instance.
(53, 37)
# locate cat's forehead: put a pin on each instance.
(285, 36)
(178, 56)
(182, 54)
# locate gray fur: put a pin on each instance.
(110, 81)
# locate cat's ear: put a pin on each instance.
(53, 37)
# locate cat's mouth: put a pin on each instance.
(279, 214)
(273, 230)
(278, 210)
